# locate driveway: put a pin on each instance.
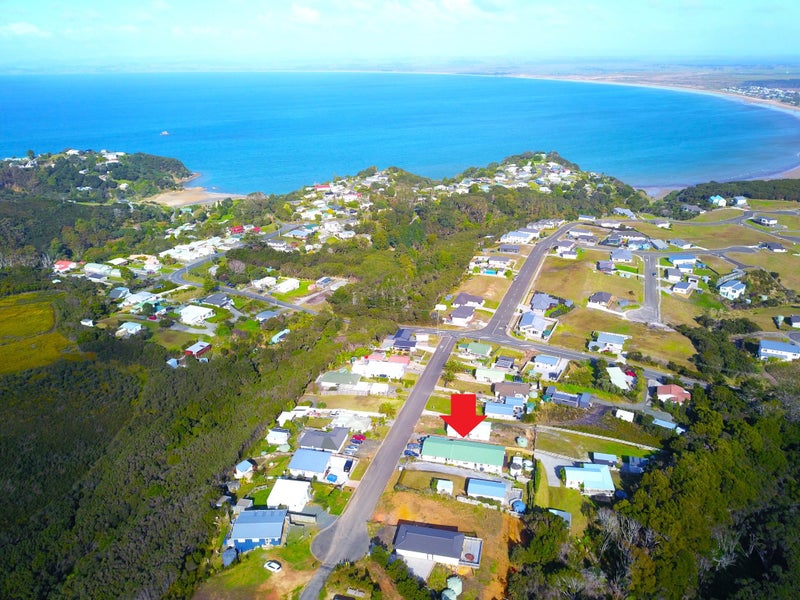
(552, 465)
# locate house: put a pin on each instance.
(264, 283)
(547, 366)
(659, 244)
(375, 367)
(244, 469)
(606, 266)
(278, 436)
(739, 201)
(668, 425)
(309, 463)
(635, 464)
(195, 315)
(464, 453)
(693, 208)
(287, 285)
(499, 410)
(511, 388)
(587, 218)
(625, 212)
(672, 393)
(718, 201)
(478, 349)
(682, 244)
(404, 340)
(316, 439)
(118, 293)
(444, 546)
(600, 458)
(294, 494)
(257, 528)
(589, 479)
(620, 378)
(732, 290)
(464, 299)
(266, 315)
(241, 505)
(600, 300)
(128, 329)
(508, 249)
(621, 255)
(679, 260)
(218, 300)
(481, 433)
(541, 303)
(98, 270)
(608, 342)
(794, 321)
(486, 375)
(500, 262)
(682, 287)
(583, 400)
(519, 237)
(781, 350)
(63, 266)
(139, 298)
(341, 380)
(774, 247)
(766, 221)
(504, 362)
(237, 229)
(662, 223)
(532, 325)
(672, 275)
(485, 488)
(462, 316)
(625, 415)
(197, 349)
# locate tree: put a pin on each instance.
(387, 409)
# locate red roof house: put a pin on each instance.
(672, 393)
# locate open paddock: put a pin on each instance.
(576, 280)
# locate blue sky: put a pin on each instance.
(53, 35)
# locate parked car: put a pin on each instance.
(360, 437)
(352, 447)
(347, 466)
(273, 565)
(410, 453)
(349, 452)
(413, 446)
(355, 441)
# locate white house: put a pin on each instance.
(195, 315)
(625, 415)
(278, 436)
(462, 316)
(608, 342)
(287, 285)
(767, 221)
(731, 290)
(128, 329)
(589, 478)
(244, 469)
(532, 325)
(768, 349)
(486, 375)
(718, 201)
(291, 493)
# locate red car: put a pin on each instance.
(360, 437)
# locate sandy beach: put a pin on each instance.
(189, 196)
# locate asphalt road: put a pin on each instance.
(347, 538)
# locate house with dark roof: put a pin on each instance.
(464, 299)
(462, 316)
(316, 439)
(600, 300)
(606, 266)
(541, 303)
(219, 300)
(257, 528)
(511, 388)
(445, 546)
(583, 400)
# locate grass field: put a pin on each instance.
(575, 328)
(367, 403)
(720, 265)
(492, 289)
(576, 280)
(788, 265)
(421, 481)
(176, 341)
(764, 317)
(773, 204)
(564, 499)
(713, 216)
(705, 236)
(579, 446)
(27, 338)
(677, 310)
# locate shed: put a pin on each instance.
(600, 458)
(484, 488)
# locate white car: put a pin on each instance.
(272, 565)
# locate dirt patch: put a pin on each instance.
(281, 585)
(490, 288)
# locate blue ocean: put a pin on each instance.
(276, 132)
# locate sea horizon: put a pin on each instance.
(278, 131)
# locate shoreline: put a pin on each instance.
(189, 196)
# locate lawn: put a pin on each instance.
(175, 341)
(564, 499)
(366, 403)
(576, 327)
(492, 289)
(577, 280)
(722, 214)
(579, 446)
(773, 204)
(331, 498)
(721, 236)
(764, 317)
(677, 310)
(787, 265)
(716, 263)
(421, 481)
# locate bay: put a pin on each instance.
(276, 132)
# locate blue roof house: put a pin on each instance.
(309, 463)
(589, 478)
(257, 528)
(484, 488)
(496, 410)
(781, 350)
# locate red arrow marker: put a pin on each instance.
(462, 415)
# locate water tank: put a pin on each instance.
(522, 441)
(448, 594)
(455, 584)
(527, 464)
(518, 506)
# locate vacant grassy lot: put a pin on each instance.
(764, 317)
(705, 236)
(490, 288)
(788, 265)
(176, 341)
(720, 265)
(713, 216)
(421, 481)
(576, 280)
(677, 310)
(576, 327)
(564, 499)
(579, 446)
(367, 403)
(773, 205)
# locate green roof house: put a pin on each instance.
(487, 458)
(479, 349)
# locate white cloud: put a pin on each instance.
(304, 14)
(23, 29)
